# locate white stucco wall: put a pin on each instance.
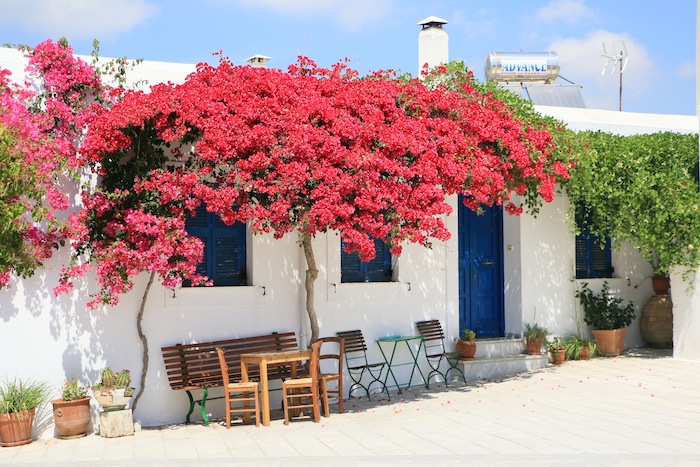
(56, 338)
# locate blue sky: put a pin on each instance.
(382, 34)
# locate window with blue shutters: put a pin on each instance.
(352, 269)
(224, 259)
(593, 253)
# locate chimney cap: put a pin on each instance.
(432, 21)
(257, 58)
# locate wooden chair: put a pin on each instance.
(303, 393)
(330, 376)
(357, 364)
(434, 344)
(238, 393)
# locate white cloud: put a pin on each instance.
(76, 18)
(686, 70)
(570, 11)
(581, 62)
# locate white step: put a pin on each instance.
(498, 347)
(500, 357)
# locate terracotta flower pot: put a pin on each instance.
(585, 353)
(72, 417)
(661, 284)
(611, 342)
(558, 356)
(533, 346)
(466, 349)
(16, 428)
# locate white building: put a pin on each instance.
(533, 267)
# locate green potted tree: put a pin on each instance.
(19, 400)
(557, 350)
(534, 336)
(466, 346)
(608, 316)
(71, 413)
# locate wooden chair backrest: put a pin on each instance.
(336, 358)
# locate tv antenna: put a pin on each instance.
(615, 54)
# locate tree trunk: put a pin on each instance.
(311, 275)
(142, 336)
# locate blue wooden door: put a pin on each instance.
(481, 271)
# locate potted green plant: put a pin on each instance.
(113, 391)
(71, 412)
(609, 317)
(534, 336)
(466, 346)
(19, 400)
(557, 350)
(579, 348)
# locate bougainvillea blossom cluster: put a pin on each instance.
(308, 150)
(45, 119)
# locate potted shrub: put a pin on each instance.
(608, 316)
(534, 336)
(557, 349)
(579, 348)
(18, 402)
(466, 346)
(71, 412)
(113, 391)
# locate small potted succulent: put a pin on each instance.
(71, 412)
(19, 400)
(113, 391)
(466, 346)
(534, 336)
(557, 349)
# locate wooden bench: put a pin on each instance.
(196, 366)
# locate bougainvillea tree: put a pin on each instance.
(41, 125)
(308, 151)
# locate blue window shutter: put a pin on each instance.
(198, 226)
(229, 265)
(224, 260)
(593, 256)
(379, 269)
(350, 266)
(352, 269)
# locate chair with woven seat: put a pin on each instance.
(238, 394)
(330, 377)
(303, 393)
(434, 344)
(358, 365)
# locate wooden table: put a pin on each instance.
(264, 359)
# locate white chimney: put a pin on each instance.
(432, 43)
(258, 61)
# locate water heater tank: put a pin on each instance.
(522, 67)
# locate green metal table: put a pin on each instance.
(395, 341)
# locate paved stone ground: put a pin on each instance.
(639, 409)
